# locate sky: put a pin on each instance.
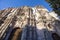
(17, 3)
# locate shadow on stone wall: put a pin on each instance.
(32, 33)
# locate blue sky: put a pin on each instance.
(17, 3)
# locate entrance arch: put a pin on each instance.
(15, 34)
(55, 36)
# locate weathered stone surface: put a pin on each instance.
(45, 22)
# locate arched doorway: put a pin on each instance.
(55, 36)
(15, 34)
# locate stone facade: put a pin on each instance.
(46, 23)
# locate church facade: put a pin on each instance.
(29, 23)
